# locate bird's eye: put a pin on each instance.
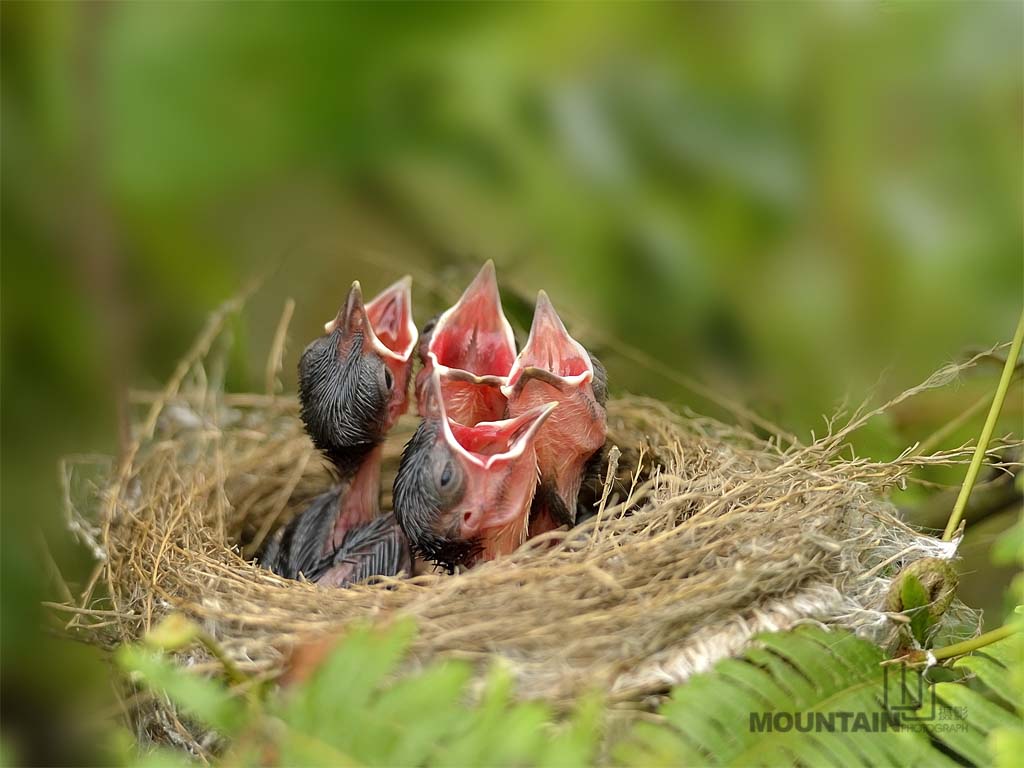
(447, 475)
(448, 481)
(389, 380)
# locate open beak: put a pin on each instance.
(473, 340)
(500, 464)
(389, 327)
(550, 355)
(390, 314)
(491, 443)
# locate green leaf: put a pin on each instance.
(992, 674)
(656, 745)
(982, 713)
(574, 743)
(208, 701)
(356, 710)
(1008, 653)
(1006, 746)
(340, 690)
(776, 704)
(964, 740)
(176, 631)
(409, 718)
(987, 730)
(498, 731)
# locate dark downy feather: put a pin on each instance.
(600, 381)
(298, 548)
(343, 403)
(378, 548)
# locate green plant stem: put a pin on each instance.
(959, 649)
(917, 658)
(986, 432)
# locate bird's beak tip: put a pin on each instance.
(545, 316)
(352, 310)
(485, 282)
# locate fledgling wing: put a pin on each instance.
(299, 547)
(378, 548)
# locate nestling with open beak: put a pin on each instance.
(353, 380)
(553, 366)
(353, 386)
(472, 348)
(463, 493)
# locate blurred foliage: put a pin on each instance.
(795, 203)
(355, 708)
(1006, 743)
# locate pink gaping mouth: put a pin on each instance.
(390, 316)
(551, 350)
(473, 336)
(391, 330)
(490, 442)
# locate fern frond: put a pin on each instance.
(811, 697)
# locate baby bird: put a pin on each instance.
(463, 493)
(553, 366)
(472, 348)
(353, 386)
(353, 380)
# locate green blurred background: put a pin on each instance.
(792, 203)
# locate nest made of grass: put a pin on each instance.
(704, 534)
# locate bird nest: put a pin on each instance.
(704, 534)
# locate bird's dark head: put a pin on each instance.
(472, 347)
(353, 380)
(464, 493)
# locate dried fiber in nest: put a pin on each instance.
(704, 534)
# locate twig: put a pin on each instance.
(276, 357)
(279, 504)
(667, 372)
(609, 481)
(986, 432)
(863, 415)
(936, 437)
